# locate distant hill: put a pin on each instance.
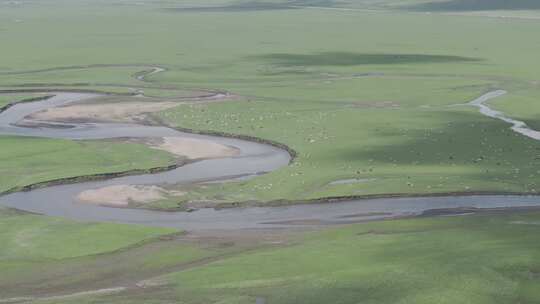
(477, 5)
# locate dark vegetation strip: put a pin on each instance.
(269, 142)
(354, 59)
(474, 5)
(254, 6)
(32, 99)
(92, 177)
(345, 198)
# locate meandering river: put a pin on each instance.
(254, 158)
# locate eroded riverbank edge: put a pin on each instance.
(89, 178)
(348, 198)
(31, 99)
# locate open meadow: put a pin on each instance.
(485, 258)
(370, 98)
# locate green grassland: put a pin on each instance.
(32, 237)
(4, 100)
(25, 161)
(371, 90)
(45, 256)
(390, 147)
(485, 258)
(480, 259)
(14, 98)
(37, 248)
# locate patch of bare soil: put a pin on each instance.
(27, 123)
(121, 108)
(193, 148)
(123, 195)
(130, 111)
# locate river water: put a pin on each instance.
(254, 158)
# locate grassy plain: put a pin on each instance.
(485, 258)
(365, 90)
(36, 249)
(389, 147)
(4, 100)
(477, 259)
(32, 237)
(25, 161)
(43, 256)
